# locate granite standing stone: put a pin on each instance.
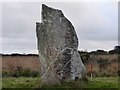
(57, 46)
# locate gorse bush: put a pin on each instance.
(19, 72)
(102, 65)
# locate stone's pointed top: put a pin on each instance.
(49, 11)
(44, 7)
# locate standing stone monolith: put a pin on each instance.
(57, 46)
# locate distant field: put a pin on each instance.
(99, 82)
(10, 63)
(103, 65)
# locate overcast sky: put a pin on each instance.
(96, 24)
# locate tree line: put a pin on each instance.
(116, 50)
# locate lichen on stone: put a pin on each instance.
(57, 46)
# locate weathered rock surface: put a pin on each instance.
(57, 46)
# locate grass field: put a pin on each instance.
(98, 82)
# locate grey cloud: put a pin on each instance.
(93, 25)
(22, 45)
(95, 45)
(91, 21)
(17, 22)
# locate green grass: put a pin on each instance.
(104, 82)
(22, 82)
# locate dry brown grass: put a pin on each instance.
(12, 62)
(32, 62)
